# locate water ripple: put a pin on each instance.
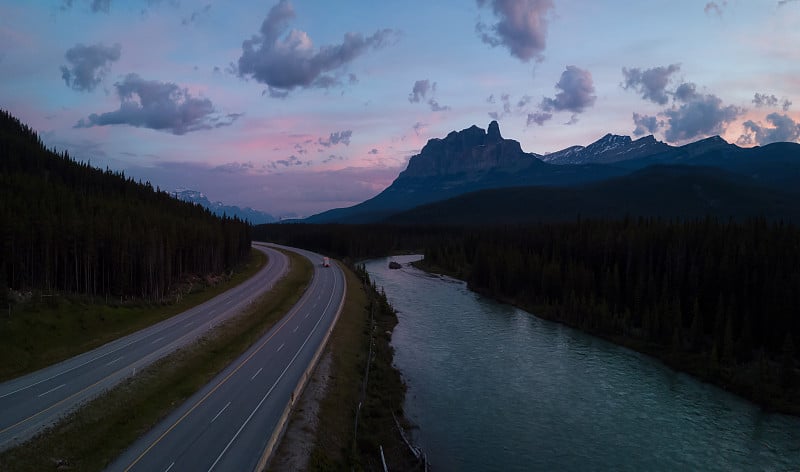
(495, 388)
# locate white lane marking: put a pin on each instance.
(170, 466)
(57, 374)
(279, 348)
(313, 285)
(305, 316)
(115, 360)
(140, 337)
(135, 338)
(157, 340)
(295, 329)
(256, 374)
(229, 301)
(220, 411)
(188, 324)
(51, 390)
(264, 398)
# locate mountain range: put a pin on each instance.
(218, 208)
(614, 176)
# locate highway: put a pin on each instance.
(228, 424)
(31, 402)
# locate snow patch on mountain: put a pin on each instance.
(608, 149)
(218, 208)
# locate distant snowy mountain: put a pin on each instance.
(608, 149)
(564, 156)
(218, 208)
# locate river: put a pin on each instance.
(492, 387)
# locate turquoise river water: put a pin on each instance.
(492, 387)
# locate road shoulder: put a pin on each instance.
(322, 433)
(91, 437)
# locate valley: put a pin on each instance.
(370, 236)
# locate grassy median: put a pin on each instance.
(333, 446)
(366, 318)
(89, 439)
(48, 329)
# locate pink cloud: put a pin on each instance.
(736, 130)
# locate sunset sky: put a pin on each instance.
(296, 107)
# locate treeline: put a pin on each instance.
(719, 299)
(67, 226)
(353, 242)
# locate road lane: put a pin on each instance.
(228, 423)
(31, 402)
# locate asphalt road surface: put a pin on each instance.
(31, 402)
(227, 424)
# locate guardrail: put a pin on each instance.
(280, 428)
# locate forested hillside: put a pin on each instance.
(353, 242)
(684, 192)
(66, 226)
(718, 299)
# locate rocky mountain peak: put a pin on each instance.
(469, 150)
(493, 133)
(220, 209)
(608, 149)
(707, 145)
(607, 143)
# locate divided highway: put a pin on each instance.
(231, 422)
(34, 401)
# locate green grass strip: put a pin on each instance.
(334, 447)
(348, 348)
(49, 329)
(90, 438)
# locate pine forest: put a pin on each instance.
(66, 226)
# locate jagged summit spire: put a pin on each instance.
(493, 133)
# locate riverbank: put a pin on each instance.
(345, 418)
(756, 381)
(494, 388)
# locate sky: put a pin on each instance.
(296, 107)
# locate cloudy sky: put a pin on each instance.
(300, 106)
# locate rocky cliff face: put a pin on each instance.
(466, 151)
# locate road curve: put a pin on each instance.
(227, 425)
(34, 401)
